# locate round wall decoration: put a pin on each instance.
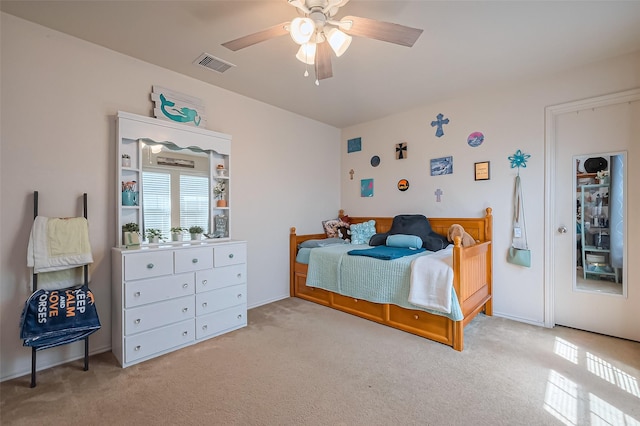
(375, 161)
(475, 139)
(403, 185)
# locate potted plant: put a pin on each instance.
(218, 192)
(130, 234)
(196, 232)
(176, 233)
(154, 235)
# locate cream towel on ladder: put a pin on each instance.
(56, 244)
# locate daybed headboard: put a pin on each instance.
(481, 229)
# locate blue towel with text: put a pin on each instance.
(57, 317)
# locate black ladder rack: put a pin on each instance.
(35, 287)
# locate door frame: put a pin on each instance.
(550, 113)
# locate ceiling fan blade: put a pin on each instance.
(260, 36)
(384, 31)
(323, 61)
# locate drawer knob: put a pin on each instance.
(194, 260)
(184, 333)
(240, 316)
(204, 282)
(150, 266)
(239, 295)
(355, 300)
(416, 316)
(185, 309)
(137, 321)
(204, 327)
(204, 305)
(136, 294)
(185, 285)
(230, 255)
(239, 275)
(137, 348)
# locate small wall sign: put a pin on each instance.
(481, 170)
(366, 188)
(178, 107)
(354, 145)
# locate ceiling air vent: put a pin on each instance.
(211, 62)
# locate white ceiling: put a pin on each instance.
(464, 46)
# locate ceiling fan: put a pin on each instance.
(317, 26)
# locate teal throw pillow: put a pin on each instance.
(361, 233)
(404, 241)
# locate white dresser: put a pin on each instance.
(166, 298)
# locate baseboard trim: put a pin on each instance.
(519, 319)
(42, 367)
(266, 302)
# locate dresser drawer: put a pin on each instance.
(146, 344)
(147, 317)
(158, 289)
(193, 259)
(216, 300)
(229, 254)
(148, 265)
(220, 277)
(221, 321)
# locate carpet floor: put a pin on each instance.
(298, 363)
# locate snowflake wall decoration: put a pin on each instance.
(519, 159)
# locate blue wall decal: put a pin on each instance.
(439, 122)
(438, 195)
(442, 166)
(519, 159)
(354, 145)
(475, 139)
(366, 188)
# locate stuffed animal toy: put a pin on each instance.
(456, 230)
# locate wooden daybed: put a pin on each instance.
(472, 283)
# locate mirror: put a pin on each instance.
(600, 222)
(176, 189)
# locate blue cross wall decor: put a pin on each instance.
(439, 122)
(438, 195)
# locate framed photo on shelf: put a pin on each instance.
(481, 170)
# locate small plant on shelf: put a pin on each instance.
(176, 233)
(130, 227)
(196, 230)
(153, 234)
(219, 189)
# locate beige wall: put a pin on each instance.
(511, 118)
(59, 97)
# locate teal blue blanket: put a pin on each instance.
(367, 278)
(385, 253)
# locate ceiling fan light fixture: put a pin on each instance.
(307, 53)
(301, 30)
(338, 40)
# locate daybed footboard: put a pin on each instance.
(472, 283)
